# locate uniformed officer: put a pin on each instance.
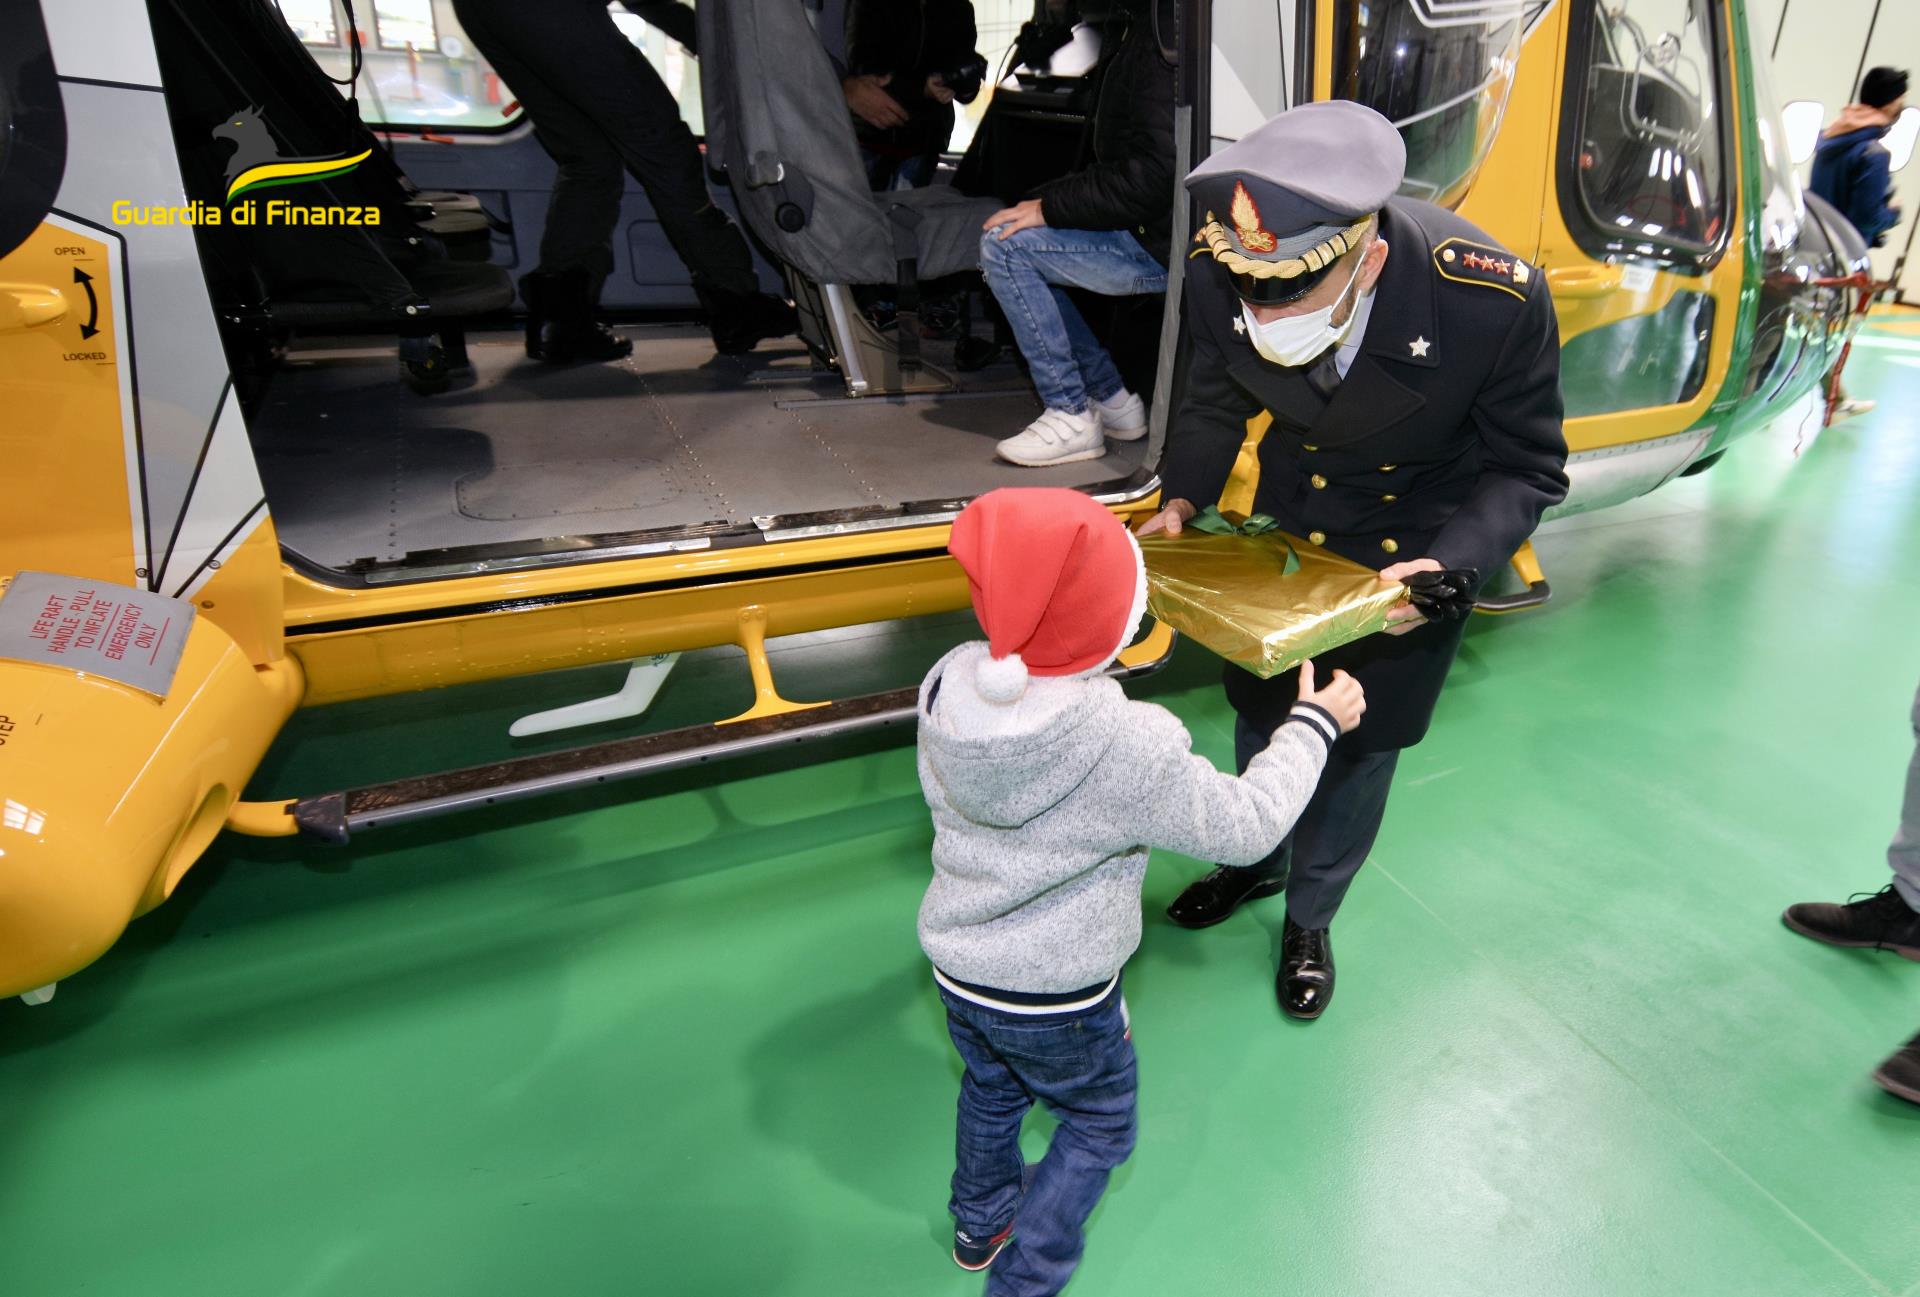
(1412, 369)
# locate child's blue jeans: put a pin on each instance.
(1081, 1066)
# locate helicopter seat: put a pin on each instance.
(778, 129)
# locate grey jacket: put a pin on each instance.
(1043, 817)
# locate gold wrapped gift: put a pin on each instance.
(1258, 597)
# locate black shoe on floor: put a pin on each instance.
(1882, 921)
(1214, 898)
(740, 321)
(533, 294)
(1304, 985)
(1900, 1075)
(567, 332)
(970, 1253)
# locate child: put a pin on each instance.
(1047, 788)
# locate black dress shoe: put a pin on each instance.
(1214, 898)
(740, 321)
(1883, 921)
(1900, 1075)
(1305, 982)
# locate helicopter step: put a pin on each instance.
(1526, 566)
(336, 816)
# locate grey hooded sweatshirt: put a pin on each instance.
(1044, 811)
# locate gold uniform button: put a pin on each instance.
(1317, 537)
(1388, 468)
(1390, 545)
(1306, 447)
(1388, 499)
(1319, 483)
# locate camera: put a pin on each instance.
(964, 77)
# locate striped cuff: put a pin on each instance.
(1318, 719)
(1028, 1003)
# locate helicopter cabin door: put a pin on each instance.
(127, 458)
(1642, 234)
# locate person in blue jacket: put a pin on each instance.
(1853, 170)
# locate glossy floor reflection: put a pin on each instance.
(684, 1043)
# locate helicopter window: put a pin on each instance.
(1648, 152)
(312, 21)
(418, 70)
(405, 25)
(1803, 119)
(1443, 79)
(1900, 139)
(1782, 207)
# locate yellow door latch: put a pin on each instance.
(29, 306)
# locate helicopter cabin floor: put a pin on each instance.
(678, 1038)
(358, 468)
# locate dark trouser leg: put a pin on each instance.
(569, 54)
(1904, 854)
(1335, 833)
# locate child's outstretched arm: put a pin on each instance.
(1187, 805)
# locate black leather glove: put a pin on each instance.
(1442, 596)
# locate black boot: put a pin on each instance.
(570, 332)
(1214, 898)
(533, 294)
(1900, 1075)
(1883, 921)
(739, 321)
(1304, 985)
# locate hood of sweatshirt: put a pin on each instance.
(1003, 764)
(1854, 119)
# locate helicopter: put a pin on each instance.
(224, 504)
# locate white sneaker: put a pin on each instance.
(1056, 437)
(1847, 409)
(1123, 416)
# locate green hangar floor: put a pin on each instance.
(678, 1039)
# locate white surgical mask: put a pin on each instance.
(1297, 339)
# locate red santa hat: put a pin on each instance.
(1057, 583)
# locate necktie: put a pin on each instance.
(1323, 375)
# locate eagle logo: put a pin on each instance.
(256, 162)
(1246, 222)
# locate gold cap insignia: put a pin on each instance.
(1245, 214)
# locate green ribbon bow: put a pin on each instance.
(1215, 523)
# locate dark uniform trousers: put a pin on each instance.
(1333, 835)
(1442, 441)
(601, 110)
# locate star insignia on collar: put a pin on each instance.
(1419, 347)
(1240, 324)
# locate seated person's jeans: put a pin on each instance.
(1027, 273)
(1081, 1065)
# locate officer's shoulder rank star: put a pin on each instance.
(1419, 347)
(1240, 324)
(1468, 263)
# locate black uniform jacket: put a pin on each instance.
(1443, 441)
(1126, 184)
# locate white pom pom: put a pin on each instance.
(1001, 680)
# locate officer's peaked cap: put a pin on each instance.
(1292, 196)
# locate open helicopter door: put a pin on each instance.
(142, 673)
(1643, 238)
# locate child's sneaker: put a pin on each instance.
(970, 1253)
(1056, 437)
